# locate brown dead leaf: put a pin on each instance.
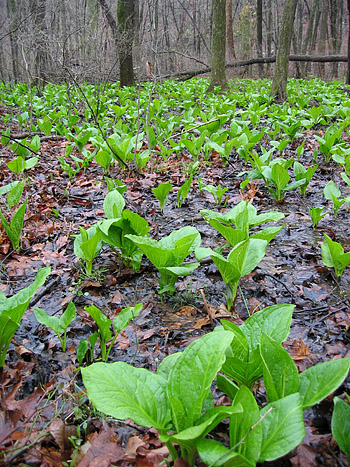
(299, 350)
(101, 450)
(134, 443)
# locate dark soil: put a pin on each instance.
(42, 398)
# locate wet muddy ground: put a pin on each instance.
(43, 403)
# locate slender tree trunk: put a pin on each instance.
(323, 36)
(125, 14)
(11, 12)
(259, 23)
(269, 31)
(218, 46)
(348, 75)
(230, 48)
(279, 84)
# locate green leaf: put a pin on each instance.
(192, 374)
(216, 454)
(17, 165)
(15, 194)
(14, 230)
(341, 425)
(13, 308)
(320, 380)
(241, 423)
(122, 391)
(333, 256)
(273, 321)
(102, 322)
(125, 316)
(68, 315)
(204, 425)
(113, 204)
(227, 386)
(51, 322)
(282, 428)
(161, 193)
(331, 189)
(281, 377)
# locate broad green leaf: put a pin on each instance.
(227, 386)
(51, 322)
(204, 425)
(268, 234)
(192, 374)
(320, 380)
(17, 224)
(17, 165)
(8, 327)
(113, 204)
(15, 194)
(244, 372)
(241, 423)
(239, 347)
(122, 391)
(68, 315)
(216, 454)
(247, 255)
(161, 193)
(166, 365)
(282, 428)
(273, 321)
(102, 321)
(333, 256)
(125, 316)
(281, 377)
(341, 425)
(280, 176)
(331, 189)
(31, 162)
(6, 188)
(13, 308)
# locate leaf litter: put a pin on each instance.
(45, 418)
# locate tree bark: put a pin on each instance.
(218, 46)
(348, 76)
(125, 14)
(259, 22)
(279, 83)
(230, 48)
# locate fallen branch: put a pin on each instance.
(257, 60)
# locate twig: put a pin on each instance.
(45, 290)
(217, 461)
(119, 159)
(19, 144)
(192, 128)
(206, 304)
(279, 281)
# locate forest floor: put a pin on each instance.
(45, 417)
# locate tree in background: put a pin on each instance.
(123, 37)
(279, 83)
(218, 46)
(125, 15)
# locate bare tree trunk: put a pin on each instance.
(323, 35)
(259, 22)
(11, 12)
(37, 8)
(336, 29)
(218, 46)
(314, 37)
(269, 31)
(308, 34)
(230, 48)
(279, 84)
(348, 75)
(125, 13)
